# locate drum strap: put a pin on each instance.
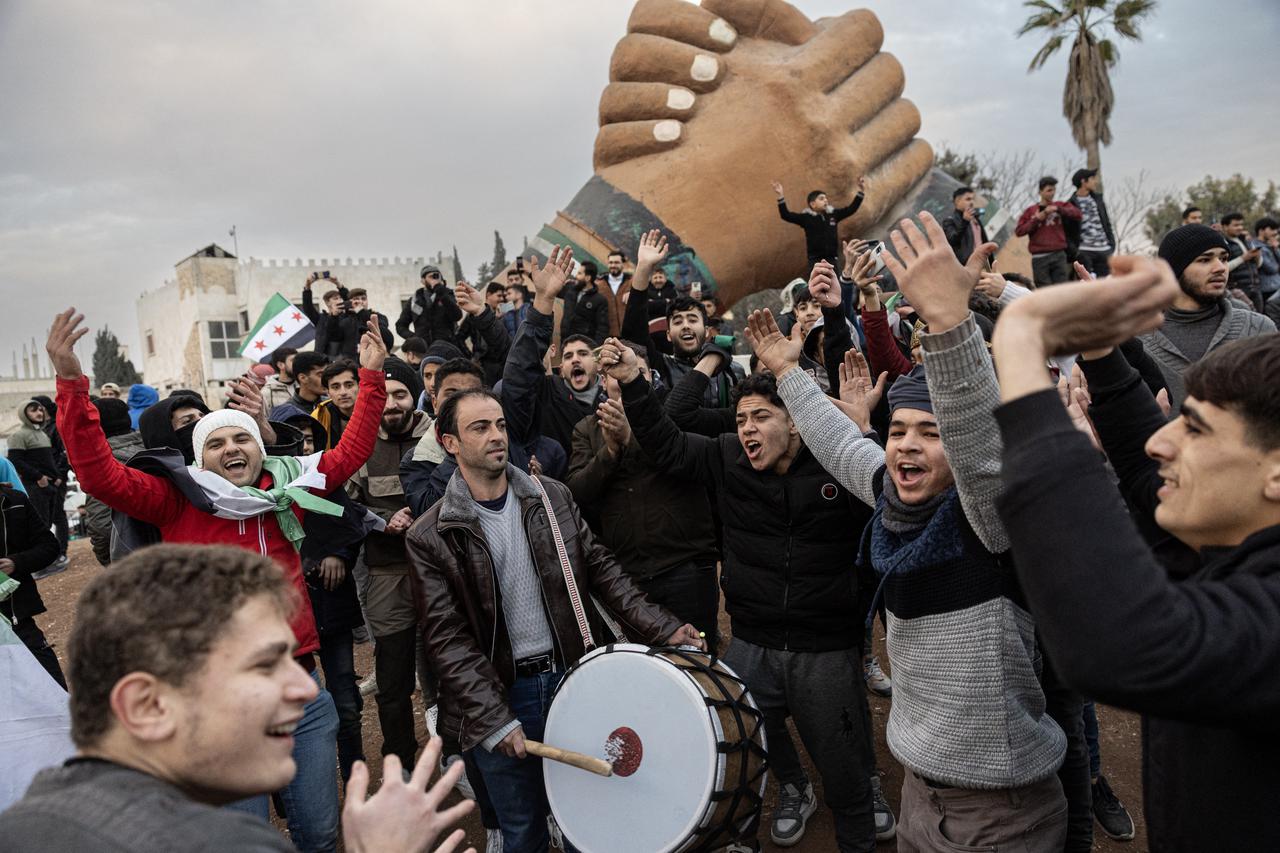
(579, 612)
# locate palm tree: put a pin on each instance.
(1087, 98)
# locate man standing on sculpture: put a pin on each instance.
(820, 221)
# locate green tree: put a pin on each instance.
(1087, 97)
(962, 167)
(1215, 197)
(457, 266)
(499, 262)
(109, 365)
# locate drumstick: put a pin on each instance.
(574, 759)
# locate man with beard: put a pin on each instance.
(1202, 317)
(279, 387)
(619, 284)
(498, 620)
(388, 603)
(686, 329)
(536, 403)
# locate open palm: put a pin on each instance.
(777, 352)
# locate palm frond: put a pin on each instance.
(1047, 50)
(1107, 50)
(1043, 5)
(1042, 21)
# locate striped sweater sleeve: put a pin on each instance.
(965, 394)
(833, 439)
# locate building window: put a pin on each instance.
(244, 321)
(151, 343)
(224, 338)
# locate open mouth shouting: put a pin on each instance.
(284, 730)
(754, 449)
(909, 475)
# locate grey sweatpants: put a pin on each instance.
(823, 693)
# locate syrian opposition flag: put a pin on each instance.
(281, 324)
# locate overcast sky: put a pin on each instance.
(133, 133)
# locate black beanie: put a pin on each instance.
(1185, 243)
(114, 415)
(911, 391)
(400, 371)
(441, 351)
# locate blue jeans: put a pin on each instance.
(338, 662)
(515, 785)
(311, 799)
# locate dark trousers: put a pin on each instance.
(33, 638)
(1050, 268)
(394, 662)
(823, 693)
(60, 527)
(1064, 705)
(338, 664)
(690, 592)
(515, 785)
(1097, 263)
(1091, 739)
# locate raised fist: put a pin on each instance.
(707, 103)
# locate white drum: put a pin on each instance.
(686, 742)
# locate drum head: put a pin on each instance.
(670, 751)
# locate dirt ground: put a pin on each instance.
(1120, 732)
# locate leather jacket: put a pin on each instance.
(457, 596)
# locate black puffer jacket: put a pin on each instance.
(25, 539)
(790, 540)
(430, 315)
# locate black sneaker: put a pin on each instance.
(1110, 812)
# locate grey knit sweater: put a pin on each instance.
(1236, 322)
(967, 708)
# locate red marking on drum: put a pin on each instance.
(623, 750)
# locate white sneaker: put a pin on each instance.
(369, 684)
(463, 785)
(877, 682)
(493, 841)
(795, 807)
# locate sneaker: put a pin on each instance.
(877, 682)
(369, 684)
(493, 841)
(886, 823)
(463, 785)
(1111, 814)
(742, 847)
(58, 565)
(795, 805)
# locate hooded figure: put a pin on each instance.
(31, 450)
(140, 397)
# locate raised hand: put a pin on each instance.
(778, 353)
(245, 396)
(824, 285)
(619, 361)
(469, 299)
(373, 351)
(704, 98)
(852, 249)
(60, 345)
(864, 274)
(403, 816)
(990, 283)
(549, 280)
(651, 252)
(856, 391)
(928, 273)
(777, 188)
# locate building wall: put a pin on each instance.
(173, 320)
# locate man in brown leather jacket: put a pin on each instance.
(496, 617)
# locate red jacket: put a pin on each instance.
(156, 501)
(1047, 235)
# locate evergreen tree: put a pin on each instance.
(483, 274)
(499, 262)
(457, 267)
(108, 364)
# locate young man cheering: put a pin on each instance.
(1186, 633)
(168, 730)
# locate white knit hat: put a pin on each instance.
(218, 419)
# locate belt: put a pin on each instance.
(536, 665)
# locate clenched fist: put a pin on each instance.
(706, 103)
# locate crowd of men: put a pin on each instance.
(1050, 491)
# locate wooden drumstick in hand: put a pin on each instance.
(574, 759)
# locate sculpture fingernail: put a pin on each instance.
(679, 99)
(666, 131)
(704, 68)
(722, 31)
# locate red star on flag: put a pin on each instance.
(279, 330)
(296, 316)
(259, 345)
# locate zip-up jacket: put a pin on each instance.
(24, 538)
(157, 501)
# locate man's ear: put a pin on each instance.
(1271, 472)
(450, 443)
(145, 707)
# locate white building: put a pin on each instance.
(192, 326)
